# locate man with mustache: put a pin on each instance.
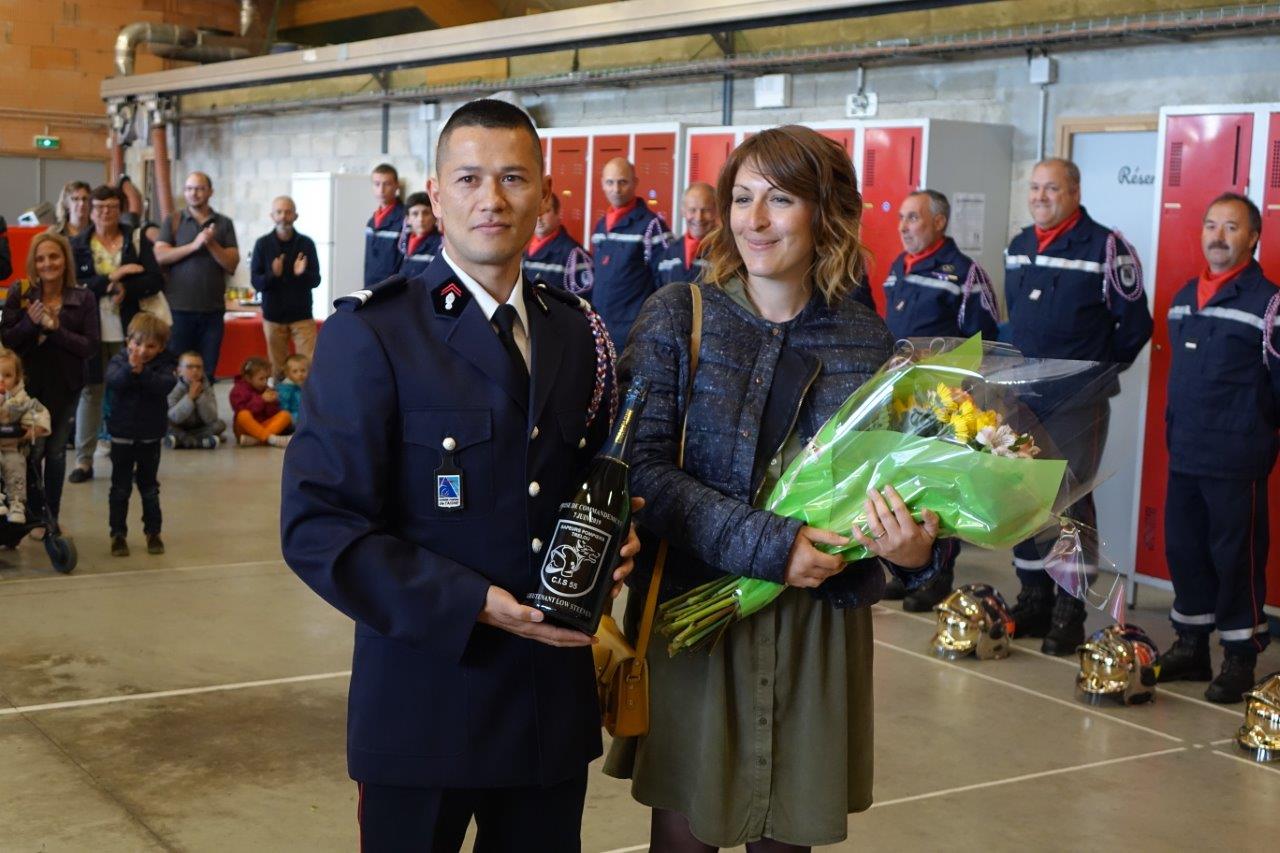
(446, 419)
(1222, 415)
(1073, 290)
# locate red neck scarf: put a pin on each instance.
(1046, 237)
(691, 246)
(380, 215)
(537, 244)
(912, 260)
(1210, 283)
(613, 214)
(415, 240)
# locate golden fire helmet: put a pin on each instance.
(1260, 734)
(973, 620)
(1118, 663)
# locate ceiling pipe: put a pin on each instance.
(174, 41)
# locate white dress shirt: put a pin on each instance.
(489, 305)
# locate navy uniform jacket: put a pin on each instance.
(438, 699)
(563, 263)
(381, 257)
(626, 267)
(1081, 298)
(947, 294)
(1224, 386)
(671, 265)
(412, 266)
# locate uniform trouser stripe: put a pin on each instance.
(1216, 542)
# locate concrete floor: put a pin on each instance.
(196, 701)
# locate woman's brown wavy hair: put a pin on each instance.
(808, 165)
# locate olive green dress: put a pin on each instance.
(767, 735)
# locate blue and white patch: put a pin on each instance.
(448, 491)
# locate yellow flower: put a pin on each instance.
(965, 427)
(944, 393)
(987, 418)
(902, 405)
(942, 415)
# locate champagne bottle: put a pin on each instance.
(577, 573)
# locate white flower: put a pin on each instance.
(999, 440)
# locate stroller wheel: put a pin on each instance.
(62, 553)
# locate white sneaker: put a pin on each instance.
(249, 441)
(279, 440)
(17, 515)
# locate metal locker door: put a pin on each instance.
(890, 171)
(569, 183)
(707, 153)
(603, 149)
(1269, 257)
(1204, 155)
(844, 136)
(656, 172)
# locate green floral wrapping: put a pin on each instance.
(910, 426)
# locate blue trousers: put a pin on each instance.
(1216, 540)
(200, 331)
(508, 820)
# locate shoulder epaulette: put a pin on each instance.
(381, 290)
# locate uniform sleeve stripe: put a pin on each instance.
(925, 281)
(1068, 264)
(1015, 261)
(1234, 314)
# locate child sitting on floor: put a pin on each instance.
(290, 388)
(258, 416)
(193, 408)
(140, 377)
(22, 420)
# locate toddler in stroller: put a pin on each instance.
(22, 419)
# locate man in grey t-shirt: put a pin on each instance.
(198, 251)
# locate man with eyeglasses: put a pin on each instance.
(198, 249)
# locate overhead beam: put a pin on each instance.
(444, 13)
(632, 20)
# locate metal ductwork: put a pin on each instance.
(173, 41)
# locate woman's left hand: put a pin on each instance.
(630, 548)
(895, 535)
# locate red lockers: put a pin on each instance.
(20, 237)
(890, 172)
(707, 153)
(1204, 152)
(843, 135)
(654, 157)
(568, 172)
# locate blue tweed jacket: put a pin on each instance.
(756, 382)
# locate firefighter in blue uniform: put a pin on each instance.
(680, 260)
(1074, 291)
(419, 241)
(382, 231)
(555, 257)
(626, 244)
(418, 492)
(933, 289)
(1221, 419)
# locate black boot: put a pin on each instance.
(1066, 628)
(1187, 659)
(894, 589)
(935, 589)
(1032, 611)
(1235, 678)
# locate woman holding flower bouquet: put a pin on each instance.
(765, 739)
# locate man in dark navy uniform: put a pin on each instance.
(444, 422)
(1221, 420)
(420, 239)
(555, 257)
(935, 290)
(626, 243)
(680, 260)
(382, 231)
(1074, 291)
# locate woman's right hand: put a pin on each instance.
(808, 567)
(36, 311)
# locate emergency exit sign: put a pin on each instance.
(48, 143)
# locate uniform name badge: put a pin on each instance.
(1034, 295)
(449, 488)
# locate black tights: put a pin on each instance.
(669, 833)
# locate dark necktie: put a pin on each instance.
(505, 318)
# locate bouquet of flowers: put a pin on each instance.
(951, 430)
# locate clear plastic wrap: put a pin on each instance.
(966, 429)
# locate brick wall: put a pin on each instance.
(56, 53)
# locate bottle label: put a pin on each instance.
(576, 557)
